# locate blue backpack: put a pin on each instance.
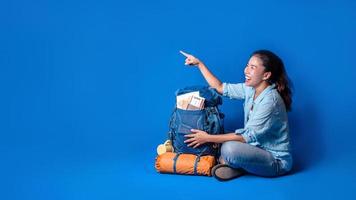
(209, 119)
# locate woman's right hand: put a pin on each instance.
(209, 77)
(190, 59)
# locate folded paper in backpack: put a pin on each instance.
(190, 101)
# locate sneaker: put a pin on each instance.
(223, 172)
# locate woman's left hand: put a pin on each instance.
(197, 138)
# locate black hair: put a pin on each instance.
(274, 64)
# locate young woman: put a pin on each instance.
(262, 147)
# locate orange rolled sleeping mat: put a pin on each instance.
(184, 164)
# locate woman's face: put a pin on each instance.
(255, 72)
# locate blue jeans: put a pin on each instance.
(251, 159)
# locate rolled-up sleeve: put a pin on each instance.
(260, 125)
(234, 91)
(247, 134)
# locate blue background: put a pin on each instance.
(87, 88)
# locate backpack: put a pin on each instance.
(209, 119)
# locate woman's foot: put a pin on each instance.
(223, 172)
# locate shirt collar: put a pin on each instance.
(263, 93)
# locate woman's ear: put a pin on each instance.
(267, 75)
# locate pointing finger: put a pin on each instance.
(185, 54)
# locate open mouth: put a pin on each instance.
(247, 78)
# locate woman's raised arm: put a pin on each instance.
(209, 77)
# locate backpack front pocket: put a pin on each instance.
(190, 119)
(185, 121)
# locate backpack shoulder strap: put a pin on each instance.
(171, 120)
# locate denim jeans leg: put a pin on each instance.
(250, 158)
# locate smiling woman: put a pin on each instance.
(262, 147)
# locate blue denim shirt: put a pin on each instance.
(266, 125)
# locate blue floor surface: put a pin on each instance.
(124, 178)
